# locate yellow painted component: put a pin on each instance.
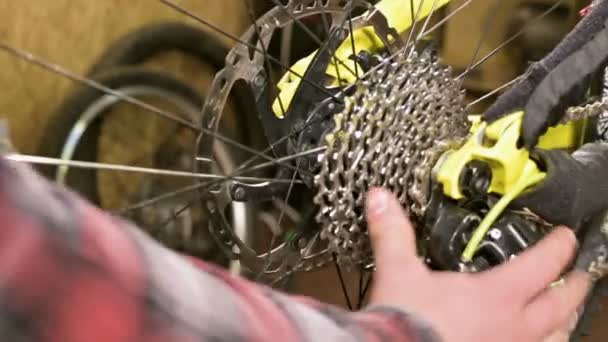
(342, 70)
(496, 145)
(513, 171)
(566, 136)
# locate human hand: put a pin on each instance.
(511, 302)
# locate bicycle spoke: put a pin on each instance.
(282, 140)
(414, 20)
(269, 74)
(366, 287)
(288, 195)
(285, 159)
(352, 44)
(484, 32)
(203, 186)
(268, 260)
(360, 290)
(428, 19)
(447, 18)
(57, 69)
(199, 19)
(512, 38)
(328, 34)
(159, 198)
(129, 99)
(493, 92)
(163, 226)
(342, 283)
(412, 15)
(306, 30)
(136, 169)
(207, 185)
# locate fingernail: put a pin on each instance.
(572, 238)
(377, 201)
(566, 235)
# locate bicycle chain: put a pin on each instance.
(585, 111)
(390, 134)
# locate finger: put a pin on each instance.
(531, 272)
(391, 232)
(554, 309)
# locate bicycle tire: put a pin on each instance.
(151, 40)
(70, 110)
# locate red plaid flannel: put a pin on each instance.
(71, 273)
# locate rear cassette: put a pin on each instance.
(390, 134)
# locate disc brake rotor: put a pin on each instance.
(244, 63)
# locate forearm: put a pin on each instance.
(71, 273)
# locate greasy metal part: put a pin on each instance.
(449, 225)
(445, 231)
(390, 133)
(585, 111)
(509, 236)
(265, 191)
(475, 179)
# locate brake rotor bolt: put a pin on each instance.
(495, 234)
(239, 194)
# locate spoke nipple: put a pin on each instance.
(239, 194)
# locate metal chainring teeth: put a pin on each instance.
(390, 134)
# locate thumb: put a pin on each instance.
(391, 233)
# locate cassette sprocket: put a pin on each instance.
(390, 134)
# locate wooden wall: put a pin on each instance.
(72, 33)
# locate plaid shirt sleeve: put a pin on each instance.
(70, 273)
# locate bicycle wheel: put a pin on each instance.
(331, 129)
(74, 133)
